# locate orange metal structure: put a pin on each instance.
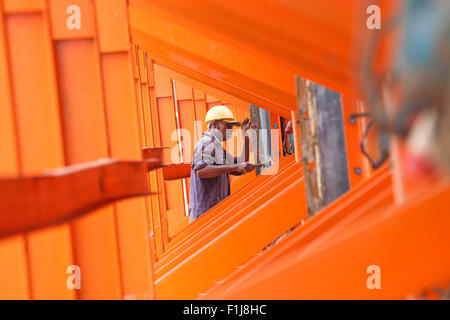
(133, 81)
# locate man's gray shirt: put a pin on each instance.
(205, 193)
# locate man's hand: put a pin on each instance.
(245, 125)
(245, 167)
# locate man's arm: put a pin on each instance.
(212, 171)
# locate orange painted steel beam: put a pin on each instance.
(221, 78)
(297, 137)
(241, 181)
(176, 171)
(14, 266)
(345, 210)
(408, 243)
(154, 153)
(63, 194)
(232, 203)
(257, 215)
(322, 41)
(198, 85)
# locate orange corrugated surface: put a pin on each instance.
(63, 95)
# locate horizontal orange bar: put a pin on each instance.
(176, 171)
(64, 194)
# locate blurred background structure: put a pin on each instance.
(102, 102)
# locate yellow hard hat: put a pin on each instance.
(221, 113)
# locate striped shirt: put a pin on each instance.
(205, 193)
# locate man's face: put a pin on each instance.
(226, 129)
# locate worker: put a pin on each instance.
(212, 164)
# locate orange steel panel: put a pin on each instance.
(184, 92)
(168, 130)
(112, 24)
(80, 83)
(231, 82)
(163, 83)
(198, 94)
(86, 139)
(239, 182)
(35, 103)
(177, 221)
(174, 197)
(59, 16)
(200, 112)
(212, 99)
(333, 217)
(165, 100)
(166, 112)
(35, 91)
(121, 116)
(187, 122)
(23, 6)
(12, 250)
(123, 135)
(167, 116)
(14, 269)
(274, 31)
(210, 260)
(414, 235)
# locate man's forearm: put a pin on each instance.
(211, 171)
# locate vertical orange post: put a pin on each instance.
(159, 233)
(296, 131)
(12, 250)
(157, 178)
(155, 245)
(123, 135)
